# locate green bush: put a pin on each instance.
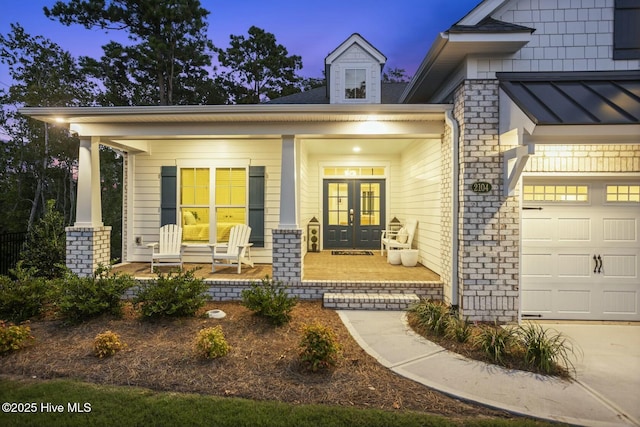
(319, 347)
(13, 337)
(173, 295)
(432, 315)
(269, 299)
(81, 298)
(210, 343)
(495, 341)
(23, 298)
(107, 344)
(45, 248)
(546, 350)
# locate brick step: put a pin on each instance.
(368, 301)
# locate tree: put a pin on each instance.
(170, 50)
(258, 68)
(45, 248)
(39, 158)
(395, 75)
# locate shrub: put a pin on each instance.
(81, 298)
(319, 347)
(22, 298)
(45, 248)
(269, 299)
(495, 341)
(173, 295)
(458, 329)
(431, 315)
(13, 337)
(210, 343)
(107, 344)
(546, 350)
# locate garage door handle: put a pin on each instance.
(600, 266)
(595, 267)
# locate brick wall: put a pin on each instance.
(87, 247)
(585, 158)
(488, 264)
(287, 256)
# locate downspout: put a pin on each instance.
(455, 202)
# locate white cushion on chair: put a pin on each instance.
(403, 235)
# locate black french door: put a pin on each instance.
(353, 213)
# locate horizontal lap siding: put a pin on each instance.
(145, 203)
(420, 194)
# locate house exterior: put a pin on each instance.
(516, 147)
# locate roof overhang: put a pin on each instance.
(449, 51)
(131, 128)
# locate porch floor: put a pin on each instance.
(317, 266)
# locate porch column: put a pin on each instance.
(88, 240)
(287, 238)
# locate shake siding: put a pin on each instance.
(571, 35)
(145, 204)
(420, 195)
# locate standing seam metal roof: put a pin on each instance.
(576, 98)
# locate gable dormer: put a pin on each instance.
(354, 71)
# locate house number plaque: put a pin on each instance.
(481, 187)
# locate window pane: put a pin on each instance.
(355, 84)
(195, 224)
(194, 186)
(227, 218)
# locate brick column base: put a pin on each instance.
(287, 256)
(87, 247)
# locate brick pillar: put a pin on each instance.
(287, 256)
(87, 247)
(489, 234)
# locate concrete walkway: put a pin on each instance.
(606, 392)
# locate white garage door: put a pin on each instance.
(580, 249)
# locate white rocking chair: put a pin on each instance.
(401, 239)
(168, 251)
(237, 250)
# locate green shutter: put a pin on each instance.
(256, 205)
(168, 191)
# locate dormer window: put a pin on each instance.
(355, 83)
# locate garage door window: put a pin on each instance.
(556, 193)
(623, 193)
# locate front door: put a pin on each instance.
(353, 213)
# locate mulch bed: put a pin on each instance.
(262, 365)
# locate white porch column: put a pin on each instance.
(288, 184)
(89, 204)
(88, 240)
(287, 238)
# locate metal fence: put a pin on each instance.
(10, 247)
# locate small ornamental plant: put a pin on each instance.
(107, 344)
(13, 337)
(319, 347)
(269, 299)
(210, 343)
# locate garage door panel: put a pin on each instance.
(620, 266)
(537, 301)
(574, 265)
(574, 229)
(573, 301)
(620, 230)
(620, 302)
(536, 229)
(536, 265)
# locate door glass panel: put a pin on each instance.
(338, 203)
(369, 203)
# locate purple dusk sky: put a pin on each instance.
(402, 30)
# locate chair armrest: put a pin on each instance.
(153, 245)
(248, 245)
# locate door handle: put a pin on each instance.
(351, 217)
(595, 267)
(600, 266)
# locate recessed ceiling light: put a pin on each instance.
(356, 149)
